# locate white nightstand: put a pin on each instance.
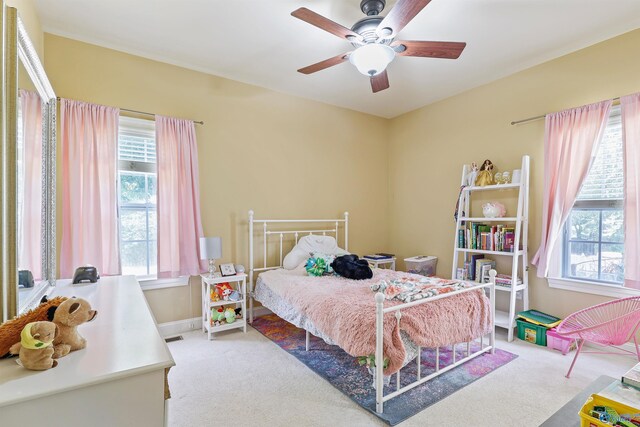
(239, 283)
(389, 263)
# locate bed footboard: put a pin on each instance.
(380, 312)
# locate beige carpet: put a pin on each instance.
(241, 380)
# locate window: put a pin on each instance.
(593, 244)
(137, 197)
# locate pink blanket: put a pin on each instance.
(344, 310)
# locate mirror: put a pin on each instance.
(30, 173)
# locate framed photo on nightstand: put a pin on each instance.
(227, 269)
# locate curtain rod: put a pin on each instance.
(200, 122)
(616, 101)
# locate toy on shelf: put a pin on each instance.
(35, 349)
(473, 173)
(485, 175)
(238, 312)
(68, 316)
(230, 315)
(234, 296)
(214, 295)
(224, 290)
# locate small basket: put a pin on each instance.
(597, 400)
(559, 342)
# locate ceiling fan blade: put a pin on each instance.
(326, 24)
(399, 16)
(380, 82)
(318, 66)
(445, 50)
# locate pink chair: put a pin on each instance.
(611, 323)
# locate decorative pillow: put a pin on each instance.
(309, 245)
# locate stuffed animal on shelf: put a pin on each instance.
(234, 296)
(230, 315)
(11, 329)
(224, 291)
(35, 349)
(220, 314)
(214, 295)
(238, 312)
(68, 316)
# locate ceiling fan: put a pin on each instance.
(373, 38)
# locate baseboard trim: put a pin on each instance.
(171, 329)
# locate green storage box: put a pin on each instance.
(529, 332)
(539, 318)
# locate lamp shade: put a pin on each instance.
(210, 248)
(372, 59)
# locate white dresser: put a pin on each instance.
(118, 380)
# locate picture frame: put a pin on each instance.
(227, 269)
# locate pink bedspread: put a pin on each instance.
(344, 310)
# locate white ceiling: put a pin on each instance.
(258, 42)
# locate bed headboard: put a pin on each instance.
(296, 228)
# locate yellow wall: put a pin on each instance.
(31, 21)
(429, 146)
(285, 156)
(279, 155)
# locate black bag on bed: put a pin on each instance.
(350, 267)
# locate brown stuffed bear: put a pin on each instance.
(35, 348)
(70, 314)
(10, 330)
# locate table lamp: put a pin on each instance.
(211, 249)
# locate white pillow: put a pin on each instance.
(311, 244)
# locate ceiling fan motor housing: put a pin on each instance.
(372, 7)
(367, 27)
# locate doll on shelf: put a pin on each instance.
(473, 173)
(485, 176)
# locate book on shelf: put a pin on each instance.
(486, 264)
(472, 265)
(632, 377)
(505, 280)
(496, 238)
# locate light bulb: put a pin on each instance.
(372, 59)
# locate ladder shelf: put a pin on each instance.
(519, 256)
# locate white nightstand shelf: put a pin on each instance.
(389, 263)
(239, 283)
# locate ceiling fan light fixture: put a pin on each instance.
(372, 59)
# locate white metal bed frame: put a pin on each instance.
(379, 301)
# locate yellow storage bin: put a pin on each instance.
(597, 400)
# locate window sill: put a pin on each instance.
(153, 284)
(591, 288)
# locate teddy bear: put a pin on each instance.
(11, 329)
(35, 349)
(70, 314)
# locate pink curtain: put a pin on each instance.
(89, 194)
(630, 111)
(30, 217)
(179, 224)
(570, 143)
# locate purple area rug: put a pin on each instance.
(344, 373)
